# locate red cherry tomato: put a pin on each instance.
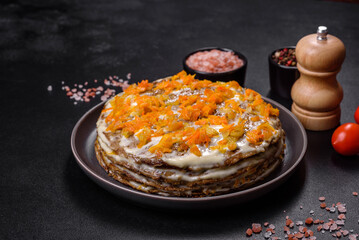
(356, 115)
(345, 139)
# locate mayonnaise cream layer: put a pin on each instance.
(144, 183)
(189, 176)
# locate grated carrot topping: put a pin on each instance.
(165, 144)
(202, 121)
(217, 120)
(106, 109)
(142, 86)
(144, 136)
(140, 113)
(194, 149)
(198, 137)
(200, 84)
(261, 133)
(255, 118)
(234, 84)
(175, 125)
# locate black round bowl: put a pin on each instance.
(282, 77)
(237, 74)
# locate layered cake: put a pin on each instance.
(184, 137)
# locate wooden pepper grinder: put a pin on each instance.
(317, 94)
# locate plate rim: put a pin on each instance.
(250, 190)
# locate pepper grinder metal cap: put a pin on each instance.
(322, 33)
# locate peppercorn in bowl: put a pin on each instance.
(283, 71)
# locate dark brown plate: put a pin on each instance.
(82, 143)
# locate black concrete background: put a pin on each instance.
(45, 195)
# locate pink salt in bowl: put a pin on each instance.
(216, 64)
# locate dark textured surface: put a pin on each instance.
(45, 195)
